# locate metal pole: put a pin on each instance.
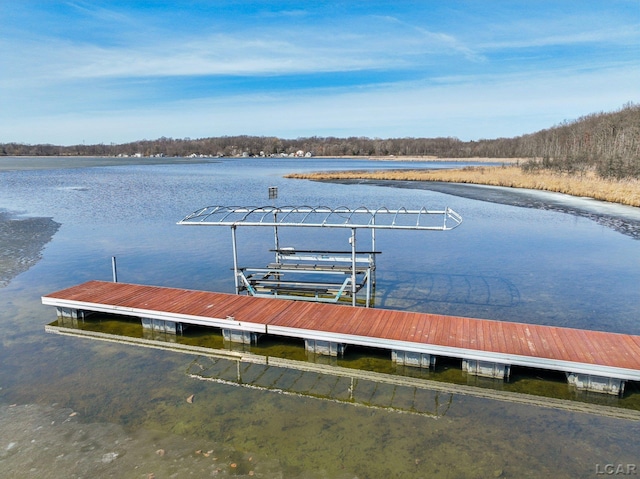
(372, 263)
(353, 266)
(114, 269)
(275, 233)
(235, 258)
(368, 286)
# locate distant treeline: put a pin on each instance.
(608, 143)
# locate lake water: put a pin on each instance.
(74, 407)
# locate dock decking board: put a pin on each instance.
(610, 354)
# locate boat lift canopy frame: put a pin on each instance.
(421, 219)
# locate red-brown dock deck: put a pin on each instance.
(600, 354)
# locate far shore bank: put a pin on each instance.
(427, 158)
(16, 163)
(588, 185)
(8, 163)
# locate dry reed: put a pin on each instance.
(586, 184)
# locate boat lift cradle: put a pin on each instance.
(320, 275)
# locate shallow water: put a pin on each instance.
(77, 408)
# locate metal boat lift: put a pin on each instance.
(317, 275)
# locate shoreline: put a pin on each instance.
(17, 163)
(427, 159)
(587, 185)
(621, 218)
(25, 163)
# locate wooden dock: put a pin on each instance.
(593, 360)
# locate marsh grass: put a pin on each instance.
(585, 184)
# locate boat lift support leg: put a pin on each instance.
(354, 289)
(235, 259)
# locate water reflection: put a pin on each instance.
(411, 290)
(318, 381)
(231, 365)
(363, 379)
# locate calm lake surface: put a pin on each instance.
(74, 407)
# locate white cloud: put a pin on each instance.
(214, 55)
(382, 44)
(72, 88)
(427, 41)
(610, 36)
(101, 14)
(482, 107)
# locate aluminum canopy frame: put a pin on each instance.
(329, 262)
(323, 216)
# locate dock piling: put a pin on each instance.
(598, 384)
(415, 359)
(240, 336)
(114, 269)
(324, 348)
(486, 369)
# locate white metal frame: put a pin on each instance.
(421, 219)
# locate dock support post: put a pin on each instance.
(71, 313)
(275, 234)
(239, 336)
(160, 325)
(411, 358)
(235, 258)
(486, 369)
(69, 316)
(324, 348)
(114, 269)
(354, 289)
(598, 384)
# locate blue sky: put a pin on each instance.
(118, 71)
